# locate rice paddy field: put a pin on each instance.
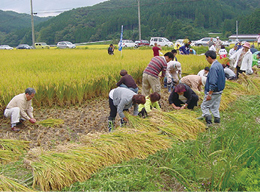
(70, 141)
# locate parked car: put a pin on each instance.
(127, 43)
(23, 46)
(161, 41)
(204, 41)
(141, 43)
(6, 47)
(65, 44)
(41, 45)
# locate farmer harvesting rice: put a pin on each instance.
(172, 72)
(127, 81)
(194, 81)
(121, 99)
(213, 89)
(243, 59)
(183, 94)
(151, 73)
(151, 102)
(20, 108)
(204, 72)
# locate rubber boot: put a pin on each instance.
(216, 120)
(122, 122)
(208, 119)
(111, 125)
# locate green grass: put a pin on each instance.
(225, 157)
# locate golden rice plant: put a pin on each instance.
(181, 124)
(11, 150)
(51, 122)
(54, 170)
(7, 184)
(56, 73)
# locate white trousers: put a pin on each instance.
(14, 113)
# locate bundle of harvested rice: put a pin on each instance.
(180, 124)
(11, 150)
(51, 122)
(7, 184)
(54, 170)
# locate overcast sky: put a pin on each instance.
(45, 8)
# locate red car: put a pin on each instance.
(141, 43)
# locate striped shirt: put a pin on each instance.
(156, 65)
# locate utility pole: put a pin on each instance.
(139, 20)
(237, 29)
(33, 37)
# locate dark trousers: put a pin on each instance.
(191, 105)
(239, 71)
(113, 110)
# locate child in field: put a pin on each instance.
(151, 102)
(127, 81)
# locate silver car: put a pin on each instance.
(65, 44)
(6, 47)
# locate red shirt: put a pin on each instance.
(156, 51)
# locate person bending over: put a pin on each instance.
(183, 97)
(151, 102)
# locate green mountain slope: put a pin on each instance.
(170, 18)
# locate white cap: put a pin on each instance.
(217, 37)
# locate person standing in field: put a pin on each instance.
(214, 87)
(151, 73)
(127, 81)
(20, 109)
(121, 99)
(156, 50)
(232, 61)
(243, 59)
(218, 44)
(210, 43)
(111, 49)
(258, 40)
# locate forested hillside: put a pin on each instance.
(13, 26)
(170, 18)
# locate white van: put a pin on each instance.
(161, 41)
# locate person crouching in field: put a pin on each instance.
(121, 99)
(151, 102)
(127, 81)
(20, 109)
(183, 94)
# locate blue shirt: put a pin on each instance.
(216, 78)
